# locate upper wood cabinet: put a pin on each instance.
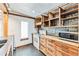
(63, 16)
(45, 20)
(38, 21)
(51, 15)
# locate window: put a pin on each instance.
(24, 30)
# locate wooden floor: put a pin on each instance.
(28, 50)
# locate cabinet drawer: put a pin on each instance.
(58, 53)
(62, 53)
(58, 45)
(71, 47)
(65, 54)
(72, 50)
(50, 52)
(43, 43)
(43, 49)
(51, 48)
(50, 41)
(50, 44)
(42, 40)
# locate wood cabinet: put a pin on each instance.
(43, 46)
(43, 42)
(38, 22)
(50, 47)
(70, 49)
(45, 20)
(63, 16)
(66, 49)
(56, 47)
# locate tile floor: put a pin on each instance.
(28, 50)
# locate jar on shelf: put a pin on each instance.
(73, 29)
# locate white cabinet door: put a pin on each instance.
(36, 41)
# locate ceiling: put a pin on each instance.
(32, 9)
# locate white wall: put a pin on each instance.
(1, 27)
(1, 24)
(15, 29)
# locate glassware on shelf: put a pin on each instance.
(73, 29)
(66, 22)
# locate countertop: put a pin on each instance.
(61, 40)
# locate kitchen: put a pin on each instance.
(50, 30)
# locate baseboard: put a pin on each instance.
(23, 45)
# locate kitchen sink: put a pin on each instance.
(2, 42)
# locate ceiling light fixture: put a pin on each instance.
(33, 11)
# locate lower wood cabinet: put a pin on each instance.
(70, 49)
(52, 47)
(43, 48)
(58, 53)
(43, 45)
(51, 52)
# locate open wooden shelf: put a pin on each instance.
(60, 15)
(45, 18)
(54, 22)
(50, 15)
(38, 22)
(54, 18)
(68, 26)
(46, 23)
(70, 18)
(70, 11)
(38, 26)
